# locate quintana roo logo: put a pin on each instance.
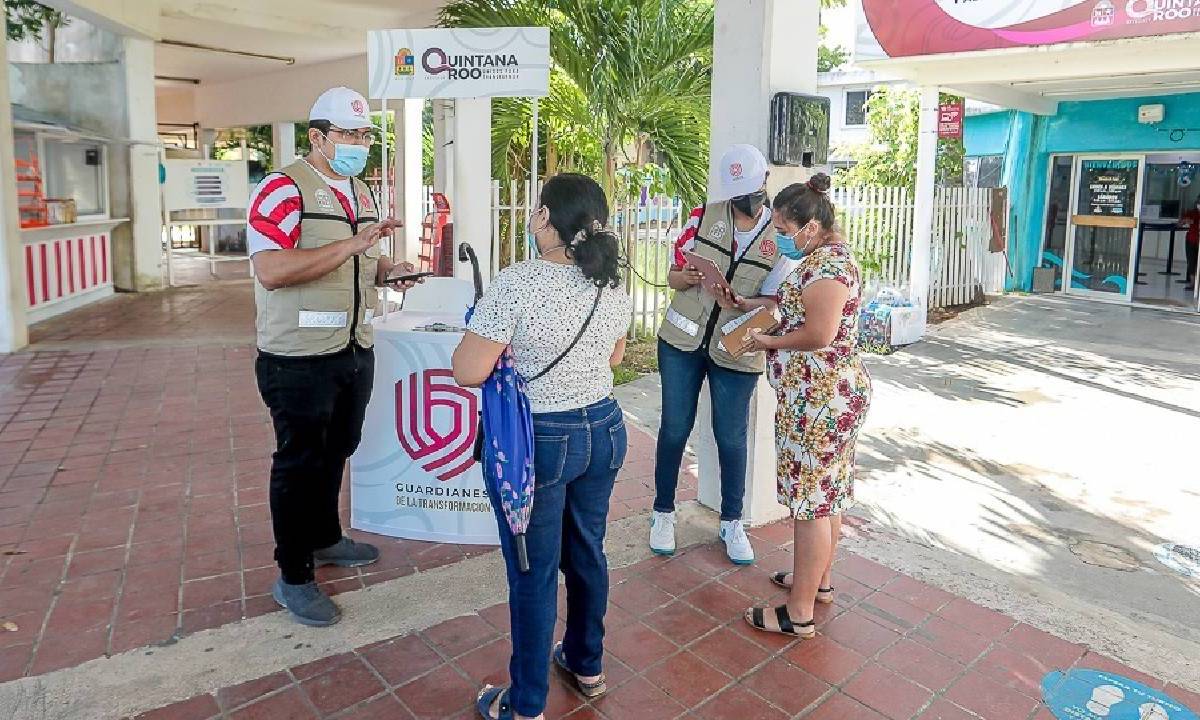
(442, 441)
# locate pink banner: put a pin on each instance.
(908, 28)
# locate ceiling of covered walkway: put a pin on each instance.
(304, 31)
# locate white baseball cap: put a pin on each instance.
(342, 107)
(742, 171)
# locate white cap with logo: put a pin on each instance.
(343, 108)
(742, 171)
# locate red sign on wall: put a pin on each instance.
(950, 120)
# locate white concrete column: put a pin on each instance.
(14, 333)
(927, 146)
(760, 47)
(283, 145)
(471, 171)
(145, 199)
(443, 145)
(408, 172)
(207, 141)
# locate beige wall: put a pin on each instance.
(176, 104)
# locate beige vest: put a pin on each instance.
(321, 317)
(694, 318)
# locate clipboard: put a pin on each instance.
(736, 333)
(713, 278)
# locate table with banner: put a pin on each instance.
(414, 475)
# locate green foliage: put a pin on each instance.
(624, 73)
(890, 158)
(28, 19)
(427, 148)
(830, 57)
(31, 20)
(632, 179)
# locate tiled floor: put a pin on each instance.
(890, 648)
(133, 509)
(133, 485)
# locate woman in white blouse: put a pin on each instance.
(538, 307)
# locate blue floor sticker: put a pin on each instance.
(1098, 695)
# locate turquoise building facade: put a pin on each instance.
(1167, 155)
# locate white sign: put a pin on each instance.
(1003, 13)
(206, 185)
(459, 63)
(414, 475)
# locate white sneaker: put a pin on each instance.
(662, 533)
(737, 545)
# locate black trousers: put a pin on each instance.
(1192, 251)
(317, 405)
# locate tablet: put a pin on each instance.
(713, 277)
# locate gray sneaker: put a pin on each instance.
(307, 603)
(346, 553)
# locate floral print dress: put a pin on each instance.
(823, 395)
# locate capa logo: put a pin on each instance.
(443, 446)
(437, 61)
(405, 62)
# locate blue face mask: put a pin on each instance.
(787, 247)
(533, 252)
(348, 160)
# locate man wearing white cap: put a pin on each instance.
(733, 231)
(314, 231)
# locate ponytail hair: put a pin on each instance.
(579, 212)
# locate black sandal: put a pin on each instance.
(779, 577)
(590, 690)
(487, 697)
(754, 616)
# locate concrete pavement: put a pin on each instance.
(1038, 456)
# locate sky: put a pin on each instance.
(840, 22)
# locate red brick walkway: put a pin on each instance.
(133, 503)
(891, 647)
(133, 511)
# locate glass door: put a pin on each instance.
(1104, 226)
(1058, 214)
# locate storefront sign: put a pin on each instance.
(950, 120)
(1088, 694)
(909, 28)
(206, 184)
(459, 63)
(1108, 187)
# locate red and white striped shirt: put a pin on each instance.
(273, 222)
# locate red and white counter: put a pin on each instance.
(67, 266)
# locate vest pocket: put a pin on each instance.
(327, 302)
(368, 269)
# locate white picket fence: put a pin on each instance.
(877, 222)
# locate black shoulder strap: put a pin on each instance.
(578, 336)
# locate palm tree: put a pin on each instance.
(624, 73)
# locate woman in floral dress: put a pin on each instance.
(823, 392)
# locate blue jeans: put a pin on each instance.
(683, 375)
(577, 454)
